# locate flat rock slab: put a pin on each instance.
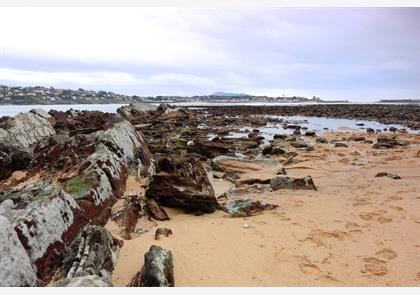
(246, 207)
(249, 171)
(285, 182)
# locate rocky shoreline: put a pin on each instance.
(63, 173)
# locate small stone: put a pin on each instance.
(245, 225)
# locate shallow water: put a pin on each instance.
(12, 110)
(317, 124)
(312, 123)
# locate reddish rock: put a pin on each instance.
(155, 211)
(163, 231)
(187, 187)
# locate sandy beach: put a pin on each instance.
(355, 230)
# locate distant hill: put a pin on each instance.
(399, 101)
(229, 94)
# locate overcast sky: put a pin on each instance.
(361, 54)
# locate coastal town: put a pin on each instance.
(49, 95)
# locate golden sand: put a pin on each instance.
(356, 230)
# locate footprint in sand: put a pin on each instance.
(362, 202)
(320, 237)
(376, 216)
(307, 267)
(386, 254)
(377, 265)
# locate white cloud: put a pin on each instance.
(335, 54)
(134, 35)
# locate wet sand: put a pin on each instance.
(356, 230)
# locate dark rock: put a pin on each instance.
(188, 187)
(247, 207)
(292, 126)
(155, 211)
(385, 142)
(340, 144)
(273, 150)
(310, 133)
(321, 140)
(209, 149)
(12, 158)
(5, 165)
(390, 175)
(285, 182)
(157, 271)
(280, 136)
(357, 138)
(163, 231)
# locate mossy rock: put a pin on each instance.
(79, 185)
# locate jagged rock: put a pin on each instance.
(75, 122)
(157, 271)
(41, 113)
(125, 141)
(93, 252)
(155, 211)
(186, 187)
(86, 281)
(166, 108)
(25, 129)
(15, 266)
(163, 231)
(50, 220)
(135, 109)
(127, 217)
(390, 175)
(247, 207)
(284, 182)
